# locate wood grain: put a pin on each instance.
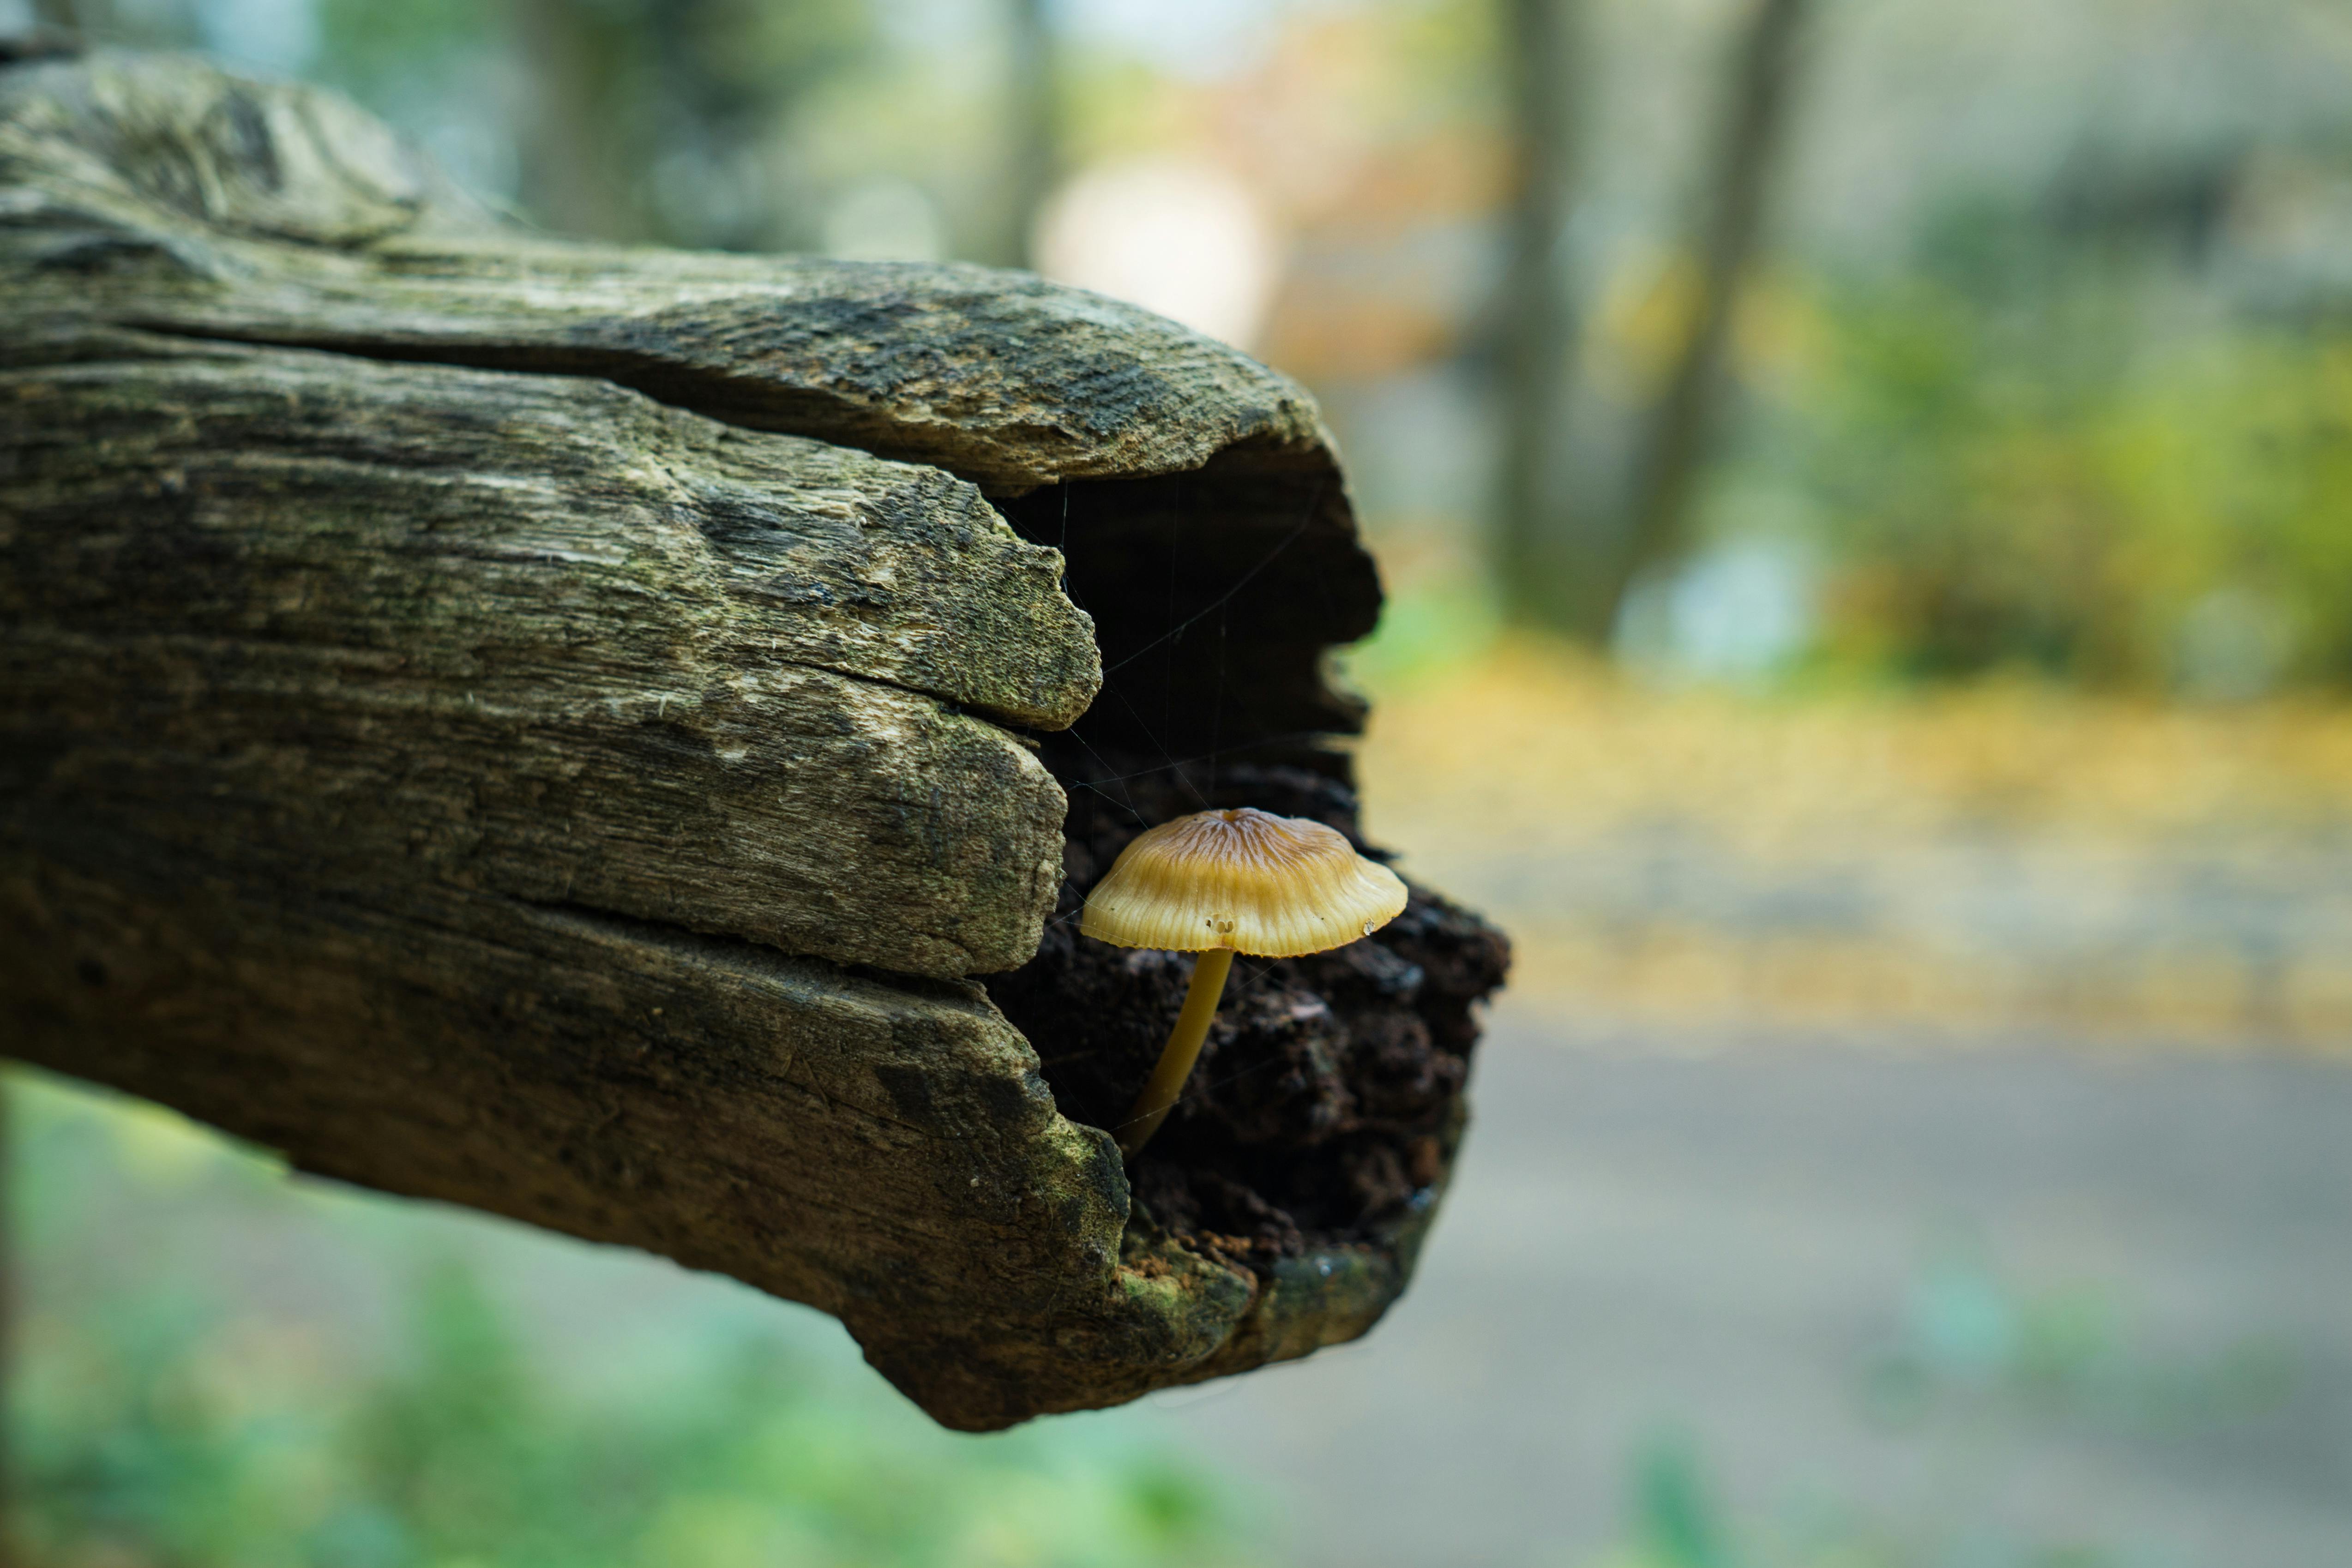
(549, 727)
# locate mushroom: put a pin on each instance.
(1222, 883)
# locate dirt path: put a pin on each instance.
(1945, 1306)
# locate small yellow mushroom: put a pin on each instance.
(1220, 882)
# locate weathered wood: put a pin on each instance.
(603, 652)
(163, 197)
(543, 726)
(139, 192)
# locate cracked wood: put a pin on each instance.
(471, 722)
(148, 195)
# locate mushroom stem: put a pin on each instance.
(1176, 1057)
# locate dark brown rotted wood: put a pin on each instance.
(546, 728)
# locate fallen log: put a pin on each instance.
(615, 739)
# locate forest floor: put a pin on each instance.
(1704, 1297)
(1998, 857)
(1913, 1135)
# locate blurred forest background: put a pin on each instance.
(1866, 488)
(1741, 338)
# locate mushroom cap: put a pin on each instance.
(1244, 879)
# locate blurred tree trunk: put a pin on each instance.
(1033, 160)
(1536, 553)
(662, 120)
(1752, 135)
(73, 15)
(582, 160)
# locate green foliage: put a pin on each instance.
(374, 49)
(1679, 1524)
(1975, 1347)
(2079, 469)
(1429, 625)
(185, 1421)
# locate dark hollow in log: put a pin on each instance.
(1327, 1101)
(569, 731)
(1215, 596)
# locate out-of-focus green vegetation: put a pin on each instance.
(221, 1366)
(1972, 1352)
(2012, 470)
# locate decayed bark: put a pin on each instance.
(549, 727)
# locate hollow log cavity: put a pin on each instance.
(1327, 1103)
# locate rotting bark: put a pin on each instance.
(560, 729)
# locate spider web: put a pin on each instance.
(1108, 785)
